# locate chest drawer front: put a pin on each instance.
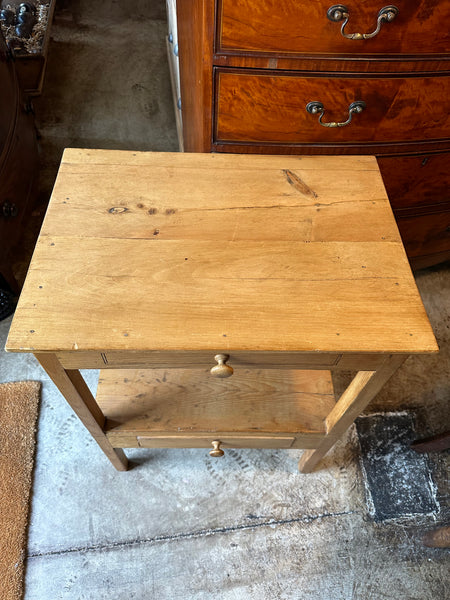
(293, 26)
(426, 234)
(417, 183)
(270, 108)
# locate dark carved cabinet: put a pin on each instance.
(18, 162)
(311, 77)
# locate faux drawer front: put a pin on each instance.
(293, 26)
(270, 107)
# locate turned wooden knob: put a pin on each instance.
(221, 369)
(216, 451)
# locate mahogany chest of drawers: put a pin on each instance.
(310, 77)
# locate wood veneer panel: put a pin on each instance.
(330, 63)
(426, 234)
(417, 183)
(270, 107)
(298, 27)
(195, 31)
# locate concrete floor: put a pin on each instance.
(180, 524)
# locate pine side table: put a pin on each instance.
(216, 293)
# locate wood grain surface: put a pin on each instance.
(175, 405)
(361, 390)
(417, 184)
(196, 29)
(191, 359)
(290, 26)
(270, 107)
(174, 252)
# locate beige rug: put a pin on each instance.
(18, 412)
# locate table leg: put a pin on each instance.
(74, 389)
(362, 389)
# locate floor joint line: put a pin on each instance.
(181, 536)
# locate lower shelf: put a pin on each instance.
(190, 408)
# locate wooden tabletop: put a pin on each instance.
(169, 251)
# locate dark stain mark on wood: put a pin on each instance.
(117, 210)
(170, 211)
(299, 184)
(156, 232)
(152, 211)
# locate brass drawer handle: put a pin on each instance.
(317, 108)
(221, 369)
(339, 12)
(216, 451)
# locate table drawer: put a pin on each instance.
(270, 26)
(269, 107)
(205, 360)
(226, 441)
